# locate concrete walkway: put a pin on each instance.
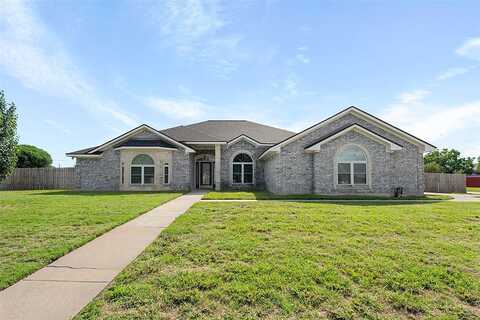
(63, 288)
(461, 197)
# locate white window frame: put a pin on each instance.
(352, 173)
(142, 166)
(166, 166)
(242, 164)
(142, 171)
(352, 163)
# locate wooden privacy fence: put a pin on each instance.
(40, 178)
(445, 182)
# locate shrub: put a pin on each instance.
(32, 157)
(432, 167)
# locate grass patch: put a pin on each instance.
(292, 260)
(263, 195)
(473, 189)
(37, 227)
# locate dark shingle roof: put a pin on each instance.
(226, 130)
(208, 131)
(146, 143)
(84, 151)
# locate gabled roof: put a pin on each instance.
(247, 138)
(357, 112)
(354, 126)
(227, 130)
(96, 151)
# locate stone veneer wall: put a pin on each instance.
(294, 171)
(103, 174)
(273, 174)
(100, 174)
(229, 152)
(379, 173)
(182, 171)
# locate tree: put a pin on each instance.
(8, 136)
(433, 167)
(450, 161)
(478, 165)
(32, 157)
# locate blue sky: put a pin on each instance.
(82, 72)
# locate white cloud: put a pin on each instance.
(470, 49)
(432, 122)
(302, 58)
(29, 53)
(184, 90)
(412, 97)
(195, 28)
(188, 22)
(57, 126)
(290, 85)
(453, 72)
(180, 108)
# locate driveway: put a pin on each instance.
(63, 288)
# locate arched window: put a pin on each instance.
(142, 170)
(242, 169)
(352, 166)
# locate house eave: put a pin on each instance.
(73, 155)
(427, 147)
(145, 148)
(249, 139)
(136, 130)
(358, 128)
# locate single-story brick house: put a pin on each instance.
(352, 152)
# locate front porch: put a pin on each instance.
(207, 166)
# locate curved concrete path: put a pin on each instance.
(460, 197)
(60, 290)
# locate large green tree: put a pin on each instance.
(8, 136)
(478, 165)
(32, 157)
(450, 161)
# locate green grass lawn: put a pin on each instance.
(473, 189)
(295, 260)
(263, 195)
(36, 227)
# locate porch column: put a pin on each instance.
(218, 166)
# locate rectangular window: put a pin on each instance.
(123, 175)
(136, 175)
(237, 173)
(360, 173)
(148, 175)
(166, 174)
(344, 176)
(247, 173)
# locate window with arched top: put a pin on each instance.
(142, 170)
(242, 169)
(352, 166)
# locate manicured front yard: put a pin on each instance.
(263, 195)
(292, 260)
(36, 227)
(473, 189)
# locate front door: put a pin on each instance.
(204, 174)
